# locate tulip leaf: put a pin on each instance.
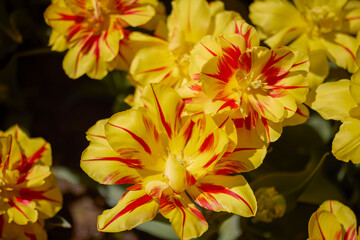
(158, 229)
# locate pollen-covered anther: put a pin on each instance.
(256, 84)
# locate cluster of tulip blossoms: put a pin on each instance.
(208, 102)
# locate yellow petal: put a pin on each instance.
(134, 208)
(35, 149)
(324, 225)
(332, 100)
(134, 136)
(22, 214)
(346, 144)
(205, 146)
(355, 86)
(58, 42)
(248, 154)
(345, 216)
(137, 15)
(352, 16)
(269, 16)
(225, 193)
(186, 220)
(144, 70)
(193, 18)
(341, 49)
(165, 107)
(301, 116)
(319, 68)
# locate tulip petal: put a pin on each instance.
(332, 100)
(134, 208)
(193, 18)
(324, 225)
(225, 193)
(205, 146)
(341, 49)
(186, 220)
(248, 154)
(134, 136)
(22, 213)
(102, 163)
(144, 70)
(345, 216)
(137, 15)
(165, 105)
(269, 16)
(346, 144)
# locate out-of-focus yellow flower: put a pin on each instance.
(258, 86)
(341, 101)
(93, 31)
(324, 29)
(333, 221)
(271, 204)
(168, 158)
(188, 22)
(28, 191)
(30, 231)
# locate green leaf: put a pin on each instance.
(158, 229)
(229, 229)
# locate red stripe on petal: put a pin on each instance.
(197, 213)
(300, 63)
(179, 205)
(349, 51)
(212, 160)
(231, 103)
(352, 18)
(208, 143)
(37, 155)
(132, 163)
(129, 208)
(216, 189)
(317, 221)
(244, 149)
(246, 35)
(30, 236)
(188, 131)
(190, 180)
(29, 195)
(162, 117)
(152, 70)
(195, 87)
(12, 204)
(135, 137)
(211, 52)
(350, 233)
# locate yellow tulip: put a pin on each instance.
(28, 191)
(169, 158)
(322, 28)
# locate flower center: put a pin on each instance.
(249, 83)
(322, 19)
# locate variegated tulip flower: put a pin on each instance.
(333, 221)
(30, 231)
(28, 191)
(189, 21)
(325, 29)
(341, 101)
(260, 87)
(170, 160)
(93, 31)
